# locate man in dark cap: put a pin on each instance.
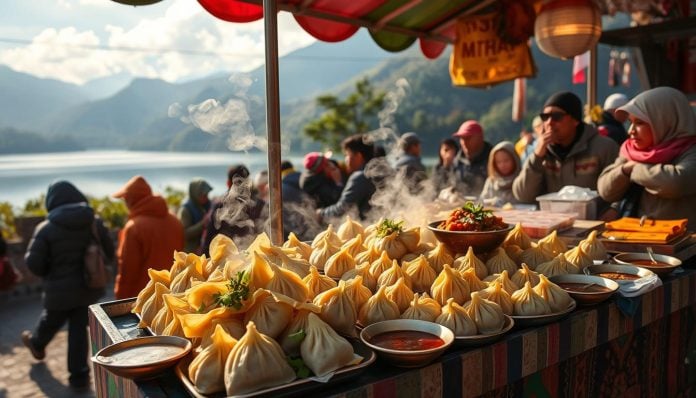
(567, 152)
(472, 161)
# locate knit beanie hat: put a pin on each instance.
(567, 101)
(315, 162)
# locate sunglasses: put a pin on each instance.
(555, 116)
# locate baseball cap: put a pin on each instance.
(315, 162)
(469, 128)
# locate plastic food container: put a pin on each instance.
(585, 206)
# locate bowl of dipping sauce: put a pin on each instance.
(619, 273)
(665, 264)
(407, 343)
(143, 357)
(586, 289)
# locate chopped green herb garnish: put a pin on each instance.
(388, 227)
(477, 212)
(237, 291)
(298, 365)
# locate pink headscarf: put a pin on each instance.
(672, 121)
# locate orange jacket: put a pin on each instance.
(148, 240)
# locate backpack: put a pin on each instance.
(95, 271)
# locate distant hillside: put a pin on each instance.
(16, 141)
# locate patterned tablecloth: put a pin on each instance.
(642, 346)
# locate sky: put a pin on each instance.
(80, 40)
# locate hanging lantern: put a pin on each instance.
(566, 28)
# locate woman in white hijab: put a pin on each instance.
(655, 173)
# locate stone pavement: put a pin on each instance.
(20, 374)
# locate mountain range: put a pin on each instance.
(46, 115)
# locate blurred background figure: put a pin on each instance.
(56, 254)
(472, 161)
(525, 145)
(298, 208)
(612, 124)
(192, 214)
(321, 179)
(444, 173)
(503, 166)
(655, 171)
(148, 240)
(260, 187)
(238, 214)
(408, 162)
(9, 276)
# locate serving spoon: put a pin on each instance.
(649, 249)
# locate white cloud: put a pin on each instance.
(63, 53)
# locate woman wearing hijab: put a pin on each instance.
(56, 254)
(655, 172)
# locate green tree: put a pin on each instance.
(355, 114)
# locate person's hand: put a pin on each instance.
(627, 168)
(545, 138)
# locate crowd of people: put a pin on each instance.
(643, 171)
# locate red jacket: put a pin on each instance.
(148, 240)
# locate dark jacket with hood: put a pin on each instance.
(57, 248)
(321, 188)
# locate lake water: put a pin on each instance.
(100, 173)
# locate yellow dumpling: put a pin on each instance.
(155, 277)
(378, 308)
(321, 253)
(553, 244)
(338, 264)
(178, 265)
(400, 293)
(247, 368)
(288, 283)
(233, 326)
(578, 257)
(535, 255)
(380, 265)
(455, 317)
(327, 236)
(178, 307)
(449, 284)
(221, 249)
(358, 292)
(475, 284)
(439, 256)
(153, 305)
(558, 266)
(500, 262)
(594, 247)
(354, 246)
(268, 313)
(498, 295)
(207, 370)
(487, 315)
(369, 255)
(193, 271)
(518, 237)
(338, 308)
(423, 308)
(259, 271)
(558, 299)
(288, 258)
(524, 275)
(421, 273)
(391, 245)
(350, 229)
(526, 302)
(303, 249)
(322, 349)
(514, 252)
(392, 274)
(506, 283)
(410, 238)
(469, 260)
(363, 270)
(317, 283)
(202, 296)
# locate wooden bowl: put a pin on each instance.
(582, 287)
(407, 358)
(143, 357)
(460, 241)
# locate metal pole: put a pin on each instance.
(592, 78)
(273, 120)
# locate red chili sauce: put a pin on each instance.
(649, 263)
(618, 276)
(583, 288)
(407, 340)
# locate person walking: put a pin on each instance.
(148, 239)
(192, 214)
(56, 254)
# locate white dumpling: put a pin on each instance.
(338, 308)
(524, 275)
(350, 229)
(378, 308)
(487, 315)
(322, 349)
(558, 266)
(247, 368)
(455, 317)
(449, 284)
(362, 270)
(317, 283)
(439, 256)
(400, 294)
(421, 273)
(535, 255)
(526, 302)
(207, 369)
(469, 260)
(423, 308)
(500, 262)
(391, 275)
(268, 313)
(558, 299)
(290, 340)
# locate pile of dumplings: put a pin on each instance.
(349, 276)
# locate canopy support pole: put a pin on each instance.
(270, 21)
(592, 78)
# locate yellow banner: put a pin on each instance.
(481, 58)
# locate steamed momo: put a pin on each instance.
(400, 294)
(507, 284)
(518, 237)
(498, 295)
(358, 292)
(439, 256)
(288, 283)
(578, 257)
(500, 262)
(354, 246)
(524, 275)
(423, 308)
(553, 244)
(526, 302)
(558, 266)
(455, 317)
(322, 349)
(449, 284)
(421, 273)
(380, 265)
(557, 298)
(321, 253)
(391, 275)
(288, 340)
(535, 255)
(317, 283)
(378, 308)
(303, 249)
(487, 315)
(153, 304)
(338, 264)
(469, 260)
(475, 284)
(270, 314)
(362, 270)
(156, 276)
(350, 229)
(594, 247)
(370, 255)
(338, 308)
(207, 369)
(248, 365)
(327, 236)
